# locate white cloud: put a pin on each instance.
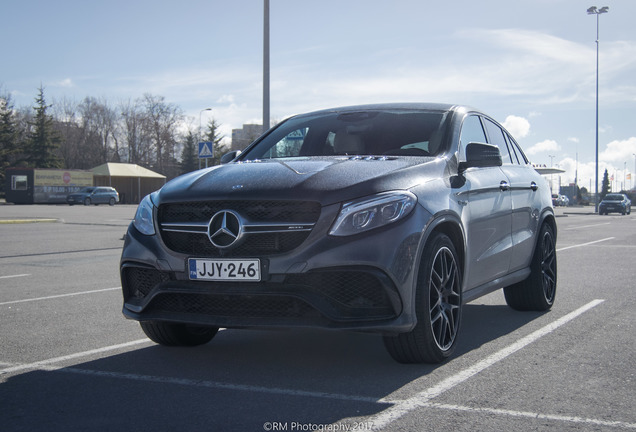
(229, 99)
(544, 146)
(519, 127)
(619, 152)
(67, 83)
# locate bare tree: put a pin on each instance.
(163, 120)
(134, 133)
(64, 111)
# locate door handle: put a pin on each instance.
(534, 186)
(504, 186)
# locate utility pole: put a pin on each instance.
(266, 66)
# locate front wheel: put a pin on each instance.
(538, 291)
(87, 201)
(438, 307)
(176, 334)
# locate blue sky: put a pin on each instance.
(531, 64)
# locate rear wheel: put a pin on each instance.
(438, 307)
(176, 334)
(538, 291)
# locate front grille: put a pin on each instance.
(351, 289)
(139, 281)
(340, 295)
(231, 306)
(272, 227)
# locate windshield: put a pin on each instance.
(87, 190)
(614, 198)
(373, 132)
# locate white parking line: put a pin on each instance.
(586, 226)
(44, 363)
(14, 276)
(585, 244)
(403, 407)
(59, 296)
(534, 415)
(399, 408)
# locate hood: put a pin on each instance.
(326, 180)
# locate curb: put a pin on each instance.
(23, 221)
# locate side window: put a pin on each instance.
(523, 160)
(19, 182)
(496, 136)
(513, 150)
(472, 131)
(289, 146)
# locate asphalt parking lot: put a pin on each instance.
(69, 361)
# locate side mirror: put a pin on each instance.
(229, 157)
(481, 155)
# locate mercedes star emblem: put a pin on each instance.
(225, 229)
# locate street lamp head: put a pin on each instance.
(592, 10)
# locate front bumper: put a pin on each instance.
(362, 282)
(612, 208)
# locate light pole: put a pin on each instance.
(594, 11)
(265, 65)
(551, 182)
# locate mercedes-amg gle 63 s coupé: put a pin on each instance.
(376, 218)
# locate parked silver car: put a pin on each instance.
(94, 195)
(382, 218)
(564, 201)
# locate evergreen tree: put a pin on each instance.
(8, 137)
(43, 140)
(189, 156)
(214, 136)
(605, 186)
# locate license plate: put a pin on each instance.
(225, 269)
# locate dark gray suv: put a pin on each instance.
(382, 218)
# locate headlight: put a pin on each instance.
(373, 212)
(144, 221)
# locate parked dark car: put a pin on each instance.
(94, 195)
(615, 203)
(382, 218)
(555, 200)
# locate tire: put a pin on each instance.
(538, 291)
(174, 334)
(438, 307)
(87, 201)
(111, 202)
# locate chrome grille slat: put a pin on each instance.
(269, 227)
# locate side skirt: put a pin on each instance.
(487, 288)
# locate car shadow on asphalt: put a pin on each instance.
(240, 380)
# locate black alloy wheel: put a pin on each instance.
(438, 307)
(538, 291)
